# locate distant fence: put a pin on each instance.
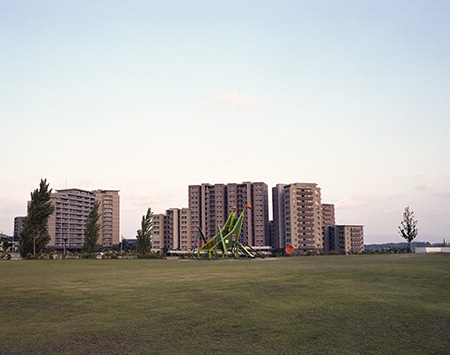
(432, 249)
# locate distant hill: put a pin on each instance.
(399, 245)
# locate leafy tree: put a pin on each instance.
(35, 229)
(144, 235)
(92, 230)
(6, 245)
(408, 227)
(165, 250)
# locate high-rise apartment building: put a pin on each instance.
(172, 229)
(194, 196)
(297, 217)
(210, 206)
(67, 224)
(18, 227)
(328, 215)
(344, 239)
(158, 231)
(109, 221)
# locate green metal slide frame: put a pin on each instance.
(226, 240)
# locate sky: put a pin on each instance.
(148, 97)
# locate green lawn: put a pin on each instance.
(397, 304)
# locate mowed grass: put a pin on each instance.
(397, 304)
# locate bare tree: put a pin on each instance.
(408, 227)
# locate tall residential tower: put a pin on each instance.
(297, 217)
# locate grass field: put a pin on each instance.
(397, 304)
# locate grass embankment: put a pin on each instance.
(329, 304)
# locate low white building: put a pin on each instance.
(432, 249)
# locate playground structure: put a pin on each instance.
(226, 242)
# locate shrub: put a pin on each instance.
(151, 255)
(5, 255)
(30, 256)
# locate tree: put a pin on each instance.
(408, 227)
(144, 235)
(35, 229)
(6, 245)
(92, 230)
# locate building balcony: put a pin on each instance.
(302, 212)
(305, 204)
(305, 225)
(307, 243)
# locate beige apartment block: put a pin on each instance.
(344, 239)
(172, 229)
(109, 210)
(297, 217)
(72, 207)
(194, 196)
(158, 231)
(186, 240)
(210, 206)
(328, 215)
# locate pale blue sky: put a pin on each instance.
(150, 96)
